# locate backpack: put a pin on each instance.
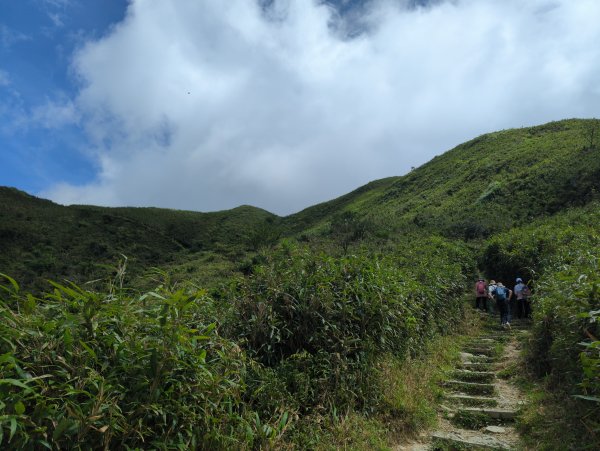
(480, 287)
(501, 293)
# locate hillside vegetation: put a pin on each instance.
(241, 329)
(40, 239)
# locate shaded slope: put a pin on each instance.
(40, 239)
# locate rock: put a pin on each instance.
(495, 429)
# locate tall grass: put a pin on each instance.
(120, 370)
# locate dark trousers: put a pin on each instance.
(514, 307)
(524, 308)
(481, 303)
(504, 309)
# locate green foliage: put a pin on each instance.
(592, 134)
(561, 254)
(90, 370)
(347, 228)
(321, 322)
(41, 240)
(307, 333)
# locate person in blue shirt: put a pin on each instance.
(503, 296)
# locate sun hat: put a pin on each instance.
(519, 280)
(492, 282)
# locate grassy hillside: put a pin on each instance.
(40, 239)
(493, 182)
(497, 181)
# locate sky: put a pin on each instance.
(208, 104)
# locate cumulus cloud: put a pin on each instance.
(207, 105)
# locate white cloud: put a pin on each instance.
(208, 104)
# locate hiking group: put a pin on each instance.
(508, 302)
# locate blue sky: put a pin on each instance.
(37, 41)
(206, 105)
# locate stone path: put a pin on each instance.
(479, 408)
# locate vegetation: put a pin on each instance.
(561, 255)
(319, 330)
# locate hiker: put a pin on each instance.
(520, 301)
(491, 287)
(503, 296)
(481, 295)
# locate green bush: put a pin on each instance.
(81, 369)
(321, 322)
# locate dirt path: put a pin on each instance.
(479, 407)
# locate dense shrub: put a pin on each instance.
(81, 369)
(567, 304)
(321, 322)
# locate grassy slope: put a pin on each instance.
(519, 173)
(40, 239)
(525, 172)
(317, 216)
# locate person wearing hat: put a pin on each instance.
(520, 298)
(481, 294)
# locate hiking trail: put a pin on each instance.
(479, 407)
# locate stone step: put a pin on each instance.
(497, 337)
(489, 352)
(474, 376)
(482, 341)
(480, 345)
(512, 327)
(472, 388)
(476, 366)
(472, 401)
(466, 441)
(476, 418)
(468, 357)
(499, 414)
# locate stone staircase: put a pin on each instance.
(479, 408)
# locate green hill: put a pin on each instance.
(490, 183)
(40, 239)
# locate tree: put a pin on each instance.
(264, 235)
(347, 228)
